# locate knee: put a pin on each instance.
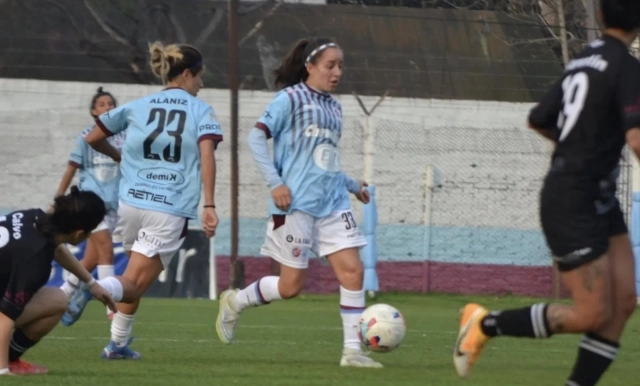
(289, 290)
(626, 304)
(595, 318)
(52, 300)
(352, 276)
(59, 302)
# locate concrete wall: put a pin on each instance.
(487, 166)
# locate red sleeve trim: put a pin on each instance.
(211, 137)
(75, 164)
(104, 129)
(263, 127)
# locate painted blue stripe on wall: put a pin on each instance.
(397, 242)
(411, 243)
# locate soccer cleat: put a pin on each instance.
(356, 358)
(77, 304)
(227, 316)
(471, 339)
(21, 367)
(112, 351)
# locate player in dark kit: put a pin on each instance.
(589, 112)
(29, 241)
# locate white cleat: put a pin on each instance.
(227, 316)
(356, 358)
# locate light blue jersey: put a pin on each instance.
(306, 126)
(160, 158)
(98, 172)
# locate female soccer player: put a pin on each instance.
(309, 207)
(590, 112)
(29, 240)
(99, 174)
(166, 159)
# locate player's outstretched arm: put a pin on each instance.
(208, 171)
(97, 139)
(357, 188)
(260, 152)
(66, 179)
(69, 262)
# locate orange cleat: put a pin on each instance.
(21, 367)
(471, 339)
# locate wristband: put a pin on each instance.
(4, 371)
(210, 206)
(91, 282)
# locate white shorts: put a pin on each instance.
(151, 233)
(290, 238)
(108, 223)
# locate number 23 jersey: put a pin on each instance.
(592, 106)
(160, 157)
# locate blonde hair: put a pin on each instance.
(169, 61)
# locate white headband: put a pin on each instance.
(318, 50)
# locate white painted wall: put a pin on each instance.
(489, 165)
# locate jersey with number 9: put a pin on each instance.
(592, 106)
(160, 158)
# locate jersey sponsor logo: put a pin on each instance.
(209, 127)
(314, 130)
(298, 240)
(594, 61)
(16, 225)
(148, 239)
(148, 196)
(169, 101)
(161, 176)
(327, 157)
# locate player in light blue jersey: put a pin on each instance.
(167, 158)
(101, 175)
(309, 210)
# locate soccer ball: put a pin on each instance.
(381, 328)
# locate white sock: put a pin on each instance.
(70, 285)
(351, 307)
(258, 293)
(121, 327)
(113, 286)
(104, 271)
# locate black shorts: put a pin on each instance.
(18, 288)
(578, 217)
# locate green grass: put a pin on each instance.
(299, 343)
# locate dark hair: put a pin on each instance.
(80, 210)
(293, 69)
(621, 14)
(100, 93)
(167, 62)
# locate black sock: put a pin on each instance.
(19, 344)
(594, 357)
(524, 322)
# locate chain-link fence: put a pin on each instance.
(457, 177)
